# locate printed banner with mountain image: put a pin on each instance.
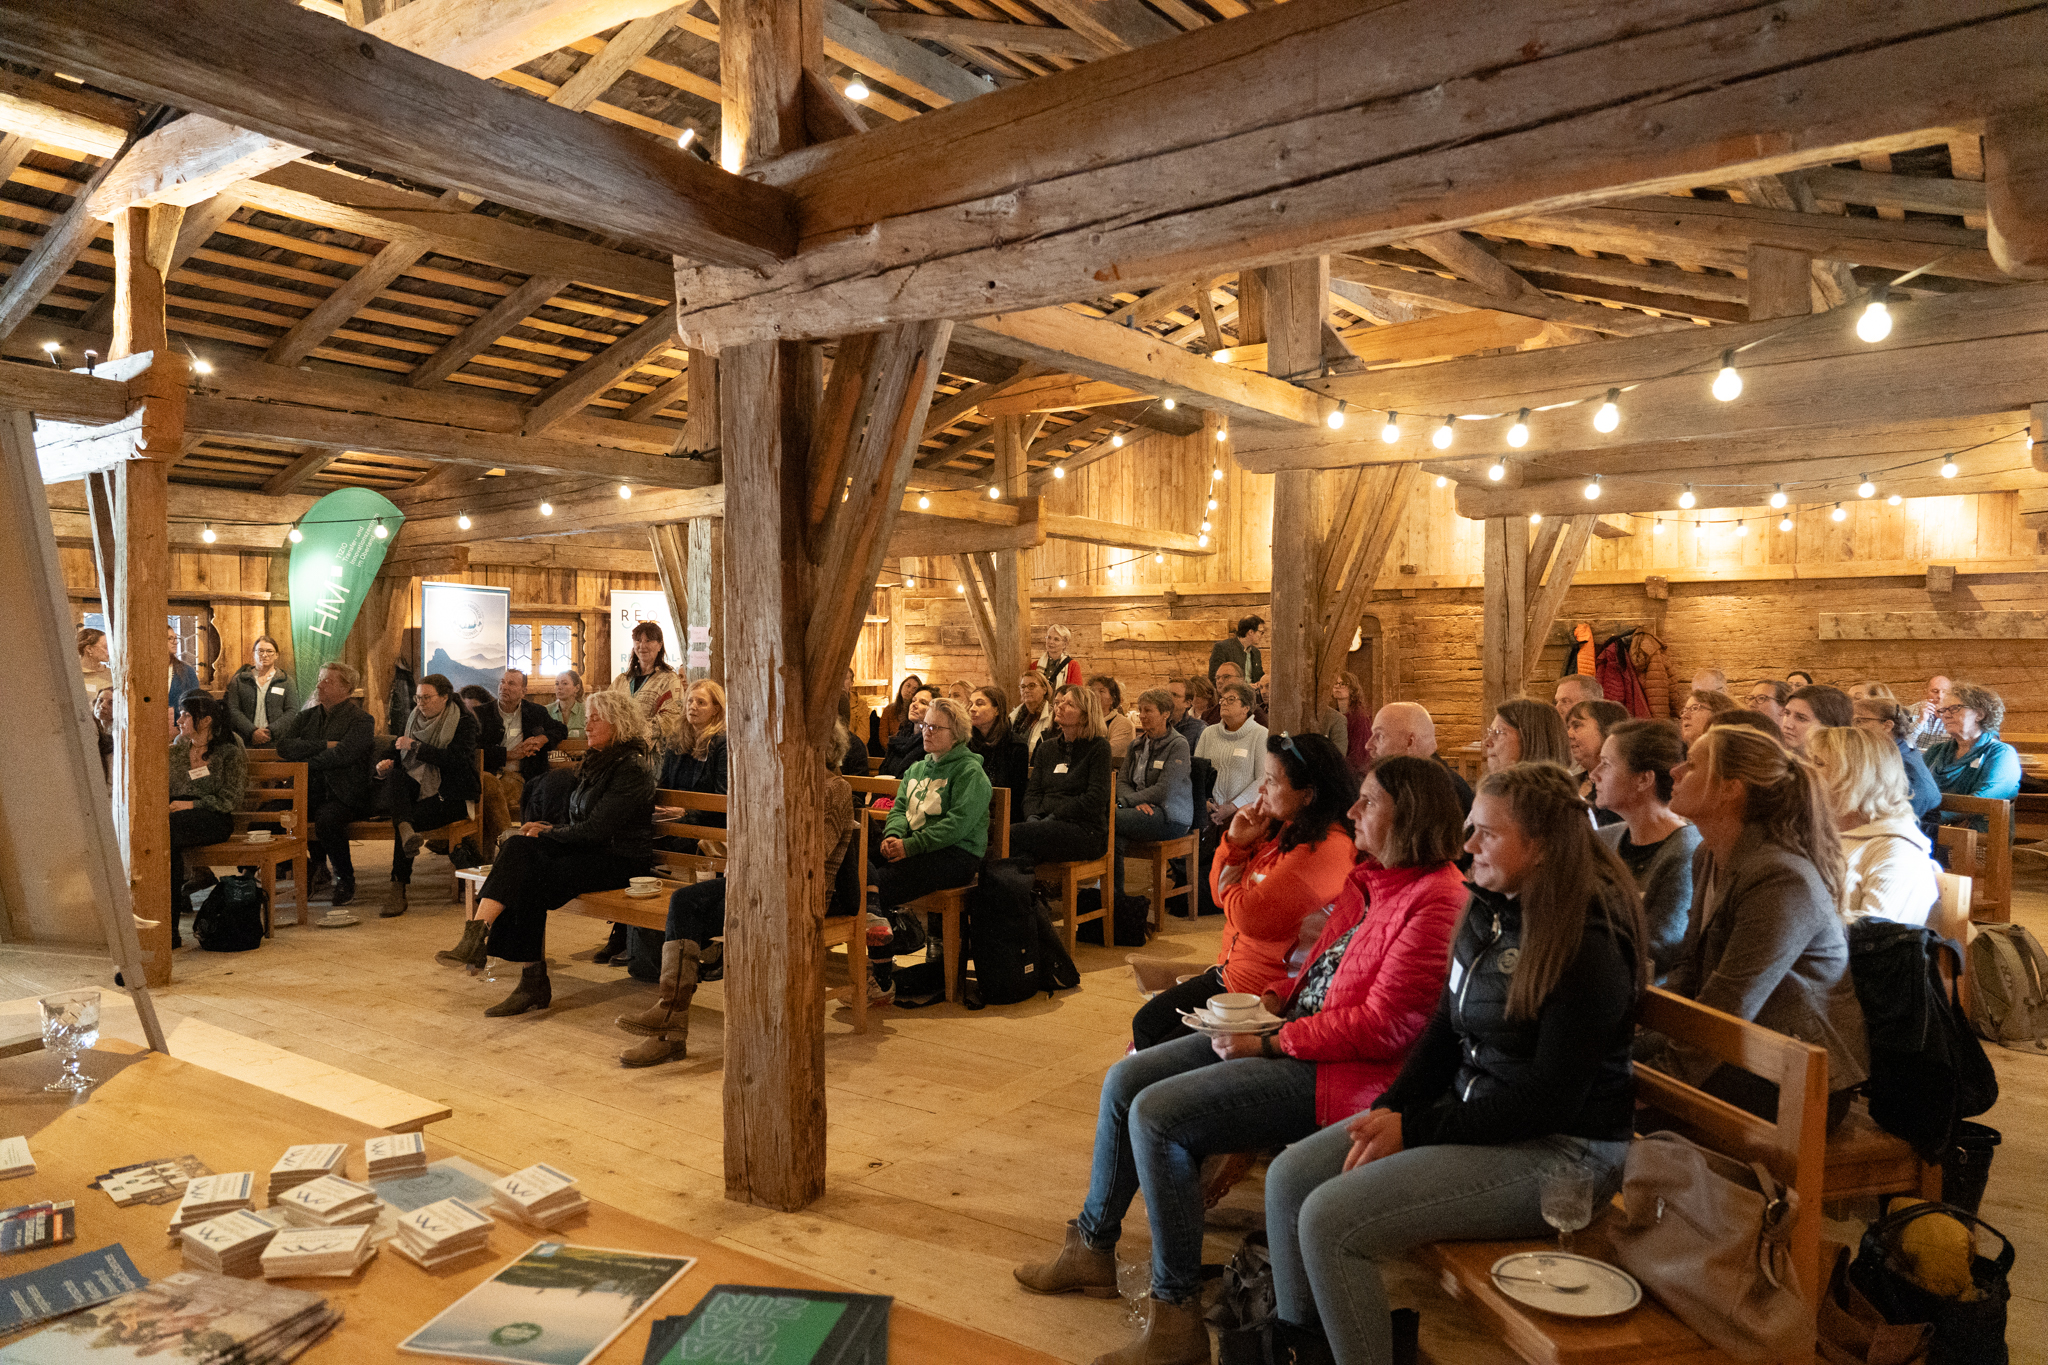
(333, 564)
(465, 633)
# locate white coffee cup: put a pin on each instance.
(1234, 1007)
(644, 885)
(258, 836)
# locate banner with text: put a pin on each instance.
(465, 633)
(332, 566)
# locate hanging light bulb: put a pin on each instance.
(1223, 433)
(1059, 471)
(1202, 541)
(625, 490)
(462, 520)
(295, 535)
(1441, 438)
(202, 366)
(1838, 514)
(1215, 473)
(1535, 518)
(909, 582)
(994, 492)
(1609, 415)
(1948, 467)
(1785, 522)
(50, 350)
(1657, 527)
(1895, 499)
(856, 91)
(1727, 384)
(924, 502)
(1497, 471)
(382, 532)
(1876, 323)
(1168, 404)
(1442, 482)
(206, 533)
(1592, 489)
(547, 509)
(689, 136)
(1336, 419)
(1778, 495)
(1222, 357)
(1205, 528)
(1741, 528)
(1116, 441)
(1518, 434)
(1686, 499)
(1866, 489)
(1063, 582)
(1158, 559)
(1391, 432)
(960, 588)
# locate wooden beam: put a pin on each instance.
(1504, 575)
(1113, 25)
(947, 28)
(700, 431)
(54, 253)
(1290, 307)
(1933, 625)
(2016, 191)
(1457, 294)
(704, 578)
(664, 395)
(1059, 393)
(300, 471)
(590, 380)
(981, 612)
(855, 39)
(924, 218)
(1545, 604)
(950, 410)
(64, 115)
(1387, 510)
(1549, 263)
(921, 535)
(1922, 194)
(347, 298)
(1116, 535)
(515, 308)
(1780, 283)
(603, 70)
(302, 79)
(1060, 339)
(67, 450)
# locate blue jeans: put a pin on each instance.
(1326, 1228)
(1162, 1111)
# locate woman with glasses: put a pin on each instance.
(1768, 697)
(938, 829)
(260, 695)
(1973, 760)
(1524, 731)
(1890, 873)
(1699, 711)
(1898, 725)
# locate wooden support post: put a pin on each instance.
(1506, 570)
(704, 593)
(700, 425)
(2037, 436)
(2016, 192)
(1545, 602)
(1780, 283)
(670, 543)
(1385, 495)
(387, 609)
(1009, 571)
(1293, 299)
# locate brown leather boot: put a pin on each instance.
(667, 1024)
(532, 993)
(1079, 1268)
(1175, 1334)
(470, 951)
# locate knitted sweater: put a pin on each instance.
(221, 786)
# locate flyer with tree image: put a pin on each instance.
(555, 1305)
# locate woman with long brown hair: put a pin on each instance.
(1524, 731)
(649, 681)
(894, 719)
(1523, 1070)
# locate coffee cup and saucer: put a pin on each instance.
(642, 887)
(1232, 1012)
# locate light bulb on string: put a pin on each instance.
(1212, 504)
(1116, 441)
(1839, 514)
(1063, 582)
(1895, 499)
(1948, 467)
(1785, 523)
(1518, 434)
(1159, 559)
(1215, 473)
(1609, 415)
(1592, 489)
(960, 588)
(1686, 499)
(1336, 419)
(994, 491)
(910, 582)
(547, 509)
(1497, 471)
(50, 350)
(462, 521)
(1535, 518)
(689, 136)
(625, 490)
(923, 502)
(1657, 527)
(1442, 482)
(1441, 438)
(206, 533)
(202, 367)
(1391, 432)
(295, 535)
(857, 91)
(1205, 528)
(1778, 495)
(1876, 323)
(1059, 471)
(1741, 528)
(1201, 542)
(1727, 384)
(1866, 489)
(1223, 433)
(382, 532)
(1222, 357)
(1168, 404)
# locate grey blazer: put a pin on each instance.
(1666, 885)
(1766, 944)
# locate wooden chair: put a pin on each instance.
(1069, 878)
(1991, 850)
(1791, 1149)
(950, 904)
(1165, 852)
(269, 782)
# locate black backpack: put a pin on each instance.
(1928, 1072)
(231, 920)
(1133, 919)
(1017, 952)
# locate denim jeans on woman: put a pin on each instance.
(1328, 1228)
(1162, 1111)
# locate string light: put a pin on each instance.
(1391, 432)
(1948, 467)
(1336, 419)
(1686, 499)
(994, 492)
(1876, 323)
(1741, 528)
(1063, 582)
(1059, 471)
(1778, 495)
(1442, 437)
(960, 588)
(462, 520)
(1866, 489)
(923, 502)
(910, 582)
(1215, 473)
(1212, 504)
(1839, 514)
(1202, 542)
(1535, 518)
(1786, 523)
(1497, 471)
(1592, 489)
(856, 91)
(1158, 559)
(689, 136)
(1518, 434)
(1222, 357)
(1609, 415)
(295, 535)
(625, 490)
(1205, 528)
(202, 366)
(1168, 404)
(50, 350)
(1895, 499)
(1727, 384)
(206, 533)
(1223, 433)
(1116, 441)
(381, 532)
(1442, 482)
(547, 509)
(1657, 529)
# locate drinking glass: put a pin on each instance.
(1134, 1283)
(1567, 1195)
(71, 1024)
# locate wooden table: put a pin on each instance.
(152, 1105)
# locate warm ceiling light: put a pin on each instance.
(1391, 432)
(1518, 434)
(1496, 471)
(625, 490)
(547, 509)
(1866, 489)
(462, 520)
(295, 535)
(1728, 383)
(689, 136)
(1778, 495)
(1609, 415)
(206, 533)
(856, 91)
(1441, 437)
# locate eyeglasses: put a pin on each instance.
(930, 729)
(1755, 697)
(1945, 712)
(1693, 708)
(1497, 732)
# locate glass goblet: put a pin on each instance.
(1567, 1201)
(71, 1025)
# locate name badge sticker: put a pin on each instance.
(1059, 767)
(277, 688)
(196, 773)
(1241, 753)
(1158, 762)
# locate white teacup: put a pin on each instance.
(1234, 1007)
(645, 886)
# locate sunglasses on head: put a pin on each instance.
(1293, 748)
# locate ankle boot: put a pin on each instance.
(1078, 1267)
(1175, 1334)
(470, 951)
(394, 901)
(680, 960)
(615, 947)
(532, 993)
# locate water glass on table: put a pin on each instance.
(71, 1025)
(1567, 1195)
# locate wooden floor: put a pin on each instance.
(959, 1141)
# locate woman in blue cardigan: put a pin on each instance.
(1973, 760)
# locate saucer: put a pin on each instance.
(1201, 1021)
(643, 895)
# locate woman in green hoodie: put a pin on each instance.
(938, 830)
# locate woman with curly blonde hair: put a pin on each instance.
(1890, 873)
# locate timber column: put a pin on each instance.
(1293, 300)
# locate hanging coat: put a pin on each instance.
(1653, 667)
(1618, 678)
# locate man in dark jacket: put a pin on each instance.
(1243, 650)
(335, 739)
(529, 733)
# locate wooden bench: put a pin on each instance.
(1791, 1149)
(1991, 850)
(269, 783)
(949, 904)
(372, 830)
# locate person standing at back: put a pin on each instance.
(1243, 649)
(1058, 664)
(260, 695)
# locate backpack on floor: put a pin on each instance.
(1928, 1072)
(1133, 919)
(1016, 951)
(2009, 987)
(231, 920)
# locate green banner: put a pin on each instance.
(336, 555)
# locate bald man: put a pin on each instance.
(1931, 730)
(1574, 688)
(1404, 727)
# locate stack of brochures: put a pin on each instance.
(302, 1165)
(210, 1196)
(231, 1244)
(14, 1158)
(193, 1316)
(29, 1226)
(440, 1232)
(328, 1202)
(317, 1251)
(540, 1195)
(399, 1154)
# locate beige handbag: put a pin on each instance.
(1707, 1235)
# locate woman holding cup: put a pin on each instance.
(1351, 1016)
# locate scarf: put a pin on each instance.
(1949, 761)
(434, 733)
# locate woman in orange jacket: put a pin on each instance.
(1285, 856)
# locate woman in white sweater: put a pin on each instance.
(1890, 874)
(1237, 748)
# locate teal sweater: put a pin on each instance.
(942, 802)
